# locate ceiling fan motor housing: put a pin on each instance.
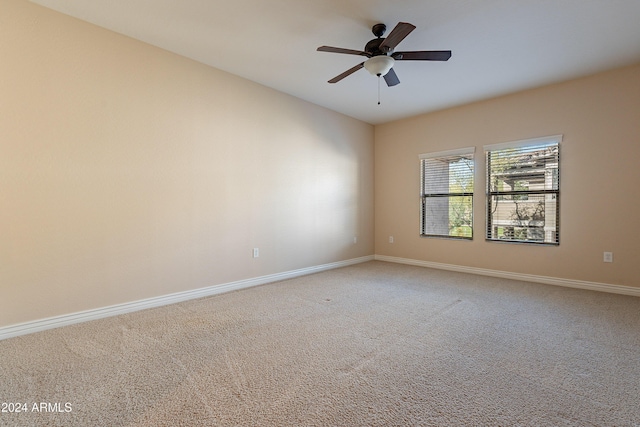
(373, 47)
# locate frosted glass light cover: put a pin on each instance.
(379, 65)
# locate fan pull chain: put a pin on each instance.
(378, 89)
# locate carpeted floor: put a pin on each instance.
(374, 344)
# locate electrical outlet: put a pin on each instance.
(390, 239)
(608, 257)
(355, 239)
(256, 252)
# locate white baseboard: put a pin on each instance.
(114, 310)
(570, 283)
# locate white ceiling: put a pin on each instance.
(499, 46)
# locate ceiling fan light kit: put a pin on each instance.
(382, 55)
(379, 65)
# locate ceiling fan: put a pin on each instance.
(382, 56)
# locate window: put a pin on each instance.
(447, 194)
(523, 191)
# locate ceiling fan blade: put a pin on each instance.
(341, 50)
(423, 55)
(391, 78)
(350, 71)
(398, 34)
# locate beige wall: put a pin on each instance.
(599, 178)
(127, 172)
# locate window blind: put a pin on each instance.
(523, 191)
(447, 194)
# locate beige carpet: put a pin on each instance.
(375, 344)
